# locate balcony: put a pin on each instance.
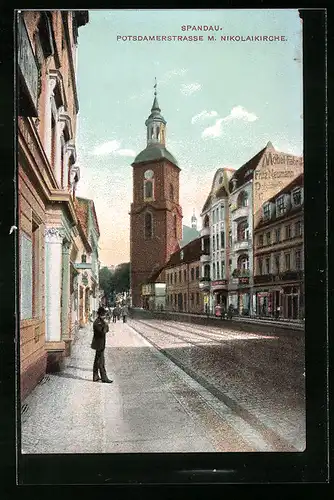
(205, 257)
(240, 213)
(28, 72)
(204, 283)
(205, 231)
(83, 265)
(240, 245)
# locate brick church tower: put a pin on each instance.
(155, 216)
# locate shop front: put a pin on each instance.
(220, 293)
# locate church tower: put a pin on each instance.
(194, 221)
(156, 215)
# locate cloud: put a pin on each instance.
(240, 113)
(190, 88)
(174, 72)
(203, 115)
(237, 113)
(125, 152)
(112, 147)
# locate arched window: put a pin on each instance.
(243, 231)
(243, 262)
(148, 225)
(175, 225)
(242, 199)
(148, 190)
(206, 221)
(171, 192)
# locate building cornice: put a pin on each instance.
(72, 68)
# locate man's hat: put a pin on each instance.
(101, 311)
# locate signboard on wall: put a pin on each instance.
(275, 171)
(26, 277)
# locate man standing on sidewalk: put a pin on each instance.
(100, 328)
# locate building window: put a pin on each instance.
(278, 235)
(222, 212)
(207, 271)
(171, 278)
(197, 272)
(287, 262)
(260, 240)
(197, 298)
(192, 273)
(148, 189)
(213, 243)
(223, 269)
(213, 216)
(218, 271)
(243, 263)
(185, 275)
(175, 225)
(242, 199)
(214, 271)
(175, 277)
(148, 225)
(171, 192)
(206, 222)
(242, 231)
(217, 214)
(298, 260)
(297, 196)
(217, 241)
(260, 264)
(298, 229)
(192, 299)
(267, 265)
(83, 258)
(222, 239)
(230, 237)
(277, 263)
(230, 265)
(266, 211)
(180, 276)
(26, 272)
(268, 237)
(280, 205)
(287, 232)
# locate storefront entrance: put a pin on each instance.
(291, 302)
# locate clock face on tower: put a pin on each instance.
(148, 174)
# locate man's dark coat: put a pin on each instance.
(100, 328)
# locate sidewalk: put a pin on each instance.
(151, 406)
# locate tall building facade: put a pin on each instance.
(47, 107)
(231, 212)
(156, 214)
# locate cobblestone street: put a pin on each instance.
(246, 394)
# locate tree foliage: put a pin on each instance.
(117, 281)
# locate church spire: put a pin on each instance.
(155, 123)
(194, 220)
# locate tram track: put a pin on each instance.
(273, 438)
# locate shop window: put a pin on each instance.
(148, 225)
(287, 262)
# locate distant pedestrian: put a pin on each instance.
(114, 315)
(124, 313)
(230, 311)
(100, 328)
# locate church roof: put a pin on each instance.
(155, 152)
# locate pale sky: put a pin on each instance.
(223, 101)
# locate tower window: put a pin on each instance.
(175, 225)
(148, 190)
(171, 192)
(148, 225)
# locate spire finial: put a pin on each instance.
(155, 85)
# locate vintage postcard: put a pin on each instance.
(161, 231)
